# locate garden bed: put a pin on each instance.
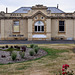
(5, 56)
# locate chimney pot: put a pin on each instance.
(6, 10)
(57, 6)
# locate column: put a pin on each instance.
(29, 29)
(2, 29)
(48, 29)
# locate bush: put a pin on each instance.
(35, 46)
(3, 47)
(31, 53)
(15, 46)
(6, 46)
(13, 56)
(36, 50)
(22, 54)
(18, 47)
(31, 45)
(11, 46)
(23, 48)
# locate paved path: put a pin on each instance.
(36, 42)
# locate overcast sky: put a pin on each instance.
(65, 5)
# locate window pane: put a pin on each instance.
(42, 28)
(61, 22)
(16, 28)
(35, 28)
(38, 22)
(16, 22)
(61, 28)
(38, 28)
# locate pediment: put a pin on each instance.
(37, 13)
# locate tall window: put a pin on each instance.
(16, 26)
(61, 26)
(39, 26)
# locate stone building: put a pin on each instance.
(37, 23)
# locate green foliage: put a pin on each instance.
(35, 46)
(12, 49)
(13, 56)
(31, 53)
(31, 45)
(22, 54)
(36, 50)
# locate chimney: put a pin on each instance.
(57, 6)
(6, 10)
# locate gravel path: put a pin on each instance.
(7, 58)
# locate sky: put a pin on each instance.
(12, 5)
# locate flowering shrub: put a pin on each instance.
(66, 70)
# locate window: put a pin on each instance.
(39, 26)
(35, 17)
(61, 26)
(16, 26)
(41, 17)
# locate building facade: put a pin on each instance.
(37, 23)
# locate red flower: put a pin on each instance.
(63, 66)
(64, 73)
(67, 65)
(63, 69)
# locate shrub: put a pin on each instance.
(31, 45)
(3, 47)
(36, 50)
(15, 46)
(35, 46)
(31, 53)
(11, 46)
(22, 54)
(18, 47)
(13, 56)
(23, 48)
(6, 46)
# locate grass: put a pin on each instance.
(54, 53)
(47, 65)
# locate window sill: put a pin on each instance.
(61, 32)
(16, 32)
(39, 32)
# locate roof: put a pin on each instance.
(26, 9)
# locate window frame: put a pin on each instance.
(39, 30)
(16, 25)
(62, 25)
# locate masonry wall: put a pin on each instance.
(68, 34)
(0, 26)
(8, 30)
(54, 27)
(69, 28)
(24, 28)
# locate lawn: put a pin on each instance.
(58, 54)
